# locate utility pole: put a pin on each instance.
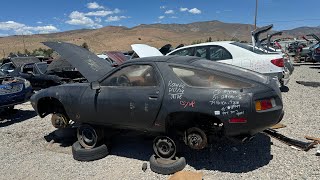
(24, 44)
(255, 16)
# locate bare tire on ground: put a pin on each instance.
(89, 136)
(81, 154)
(167, 166)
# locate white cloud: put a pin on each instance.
(99, 13)
(39, 22)
(103, 13)
(184, 9)
(115, 18)
(163, 7)
(20, 28)
(98, 20)
(161, 17)
(174, 17)
(169, 12)
(78, 18)
(94, 5)
(116, 11)
(10, 25)
(194, 11)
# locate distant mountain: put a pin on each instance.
(120, 38)
(301, 31)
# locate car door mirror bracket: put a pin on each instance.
(95, 85)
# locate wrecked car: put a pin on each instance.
(239, 54)
(115, 58)
(36, 73)
(13, 91)
(191, 97)
(10, 64)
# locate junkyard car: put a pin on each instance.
(239, 54)
(164, 95)
(37, 75)
(13, 91)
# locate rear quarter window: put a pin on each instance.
(199, 78)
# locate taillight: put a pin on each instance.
(278, 62)
(265, 104)
(317, 50)
(238, 120)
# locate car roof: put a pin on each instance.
(169, 59)
(219, 43)
(209, 43)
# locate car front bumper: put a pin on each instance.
(15, 98)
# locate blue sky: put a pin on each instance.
(46, 16)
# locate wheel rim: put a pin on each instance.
(87, 136)
(164, 147)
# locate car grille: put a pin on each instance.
(10, 88)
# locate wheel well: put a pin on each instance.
(181, 121)
(49, 105)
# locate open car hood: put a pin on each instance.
(271, 35)
(143, 50)
(118, 57)
(256, 33)
(87, 63)
(315, 37)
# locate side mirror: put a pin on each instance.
(95, 85)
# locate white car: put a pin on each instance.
(241, 55)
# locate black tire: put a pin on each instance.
(167, 166)
(81, 154)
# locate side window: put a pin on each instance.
(199, 78)
(217, 53)
(184, 52)
(133, 75)
(201, 52)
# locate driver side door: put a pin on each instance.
(131, 97)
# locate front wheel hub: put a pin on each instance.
(59, 120)
(196, 138)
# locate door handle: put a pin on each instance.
(153, 97)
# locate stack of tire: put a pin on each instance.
(90, 146)
(165, 161)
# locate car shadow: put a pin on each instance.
(64, 137)
(225, 156)
(8, 118)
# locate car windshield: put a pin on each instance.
(42, 67)
(247, 47)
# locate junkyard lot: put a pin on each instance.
(24, 153)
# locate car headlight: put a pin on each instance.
(27, 83)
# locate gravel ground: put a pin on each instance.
(25, 152)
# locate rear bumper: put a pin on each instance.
(283, 77)
(257, 121)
